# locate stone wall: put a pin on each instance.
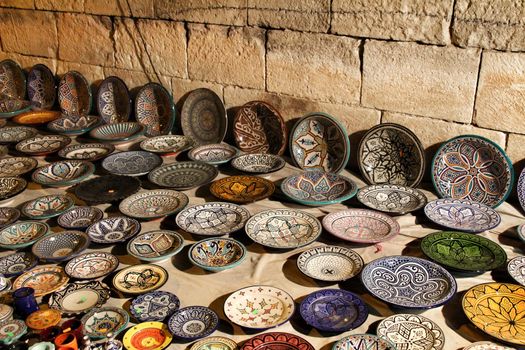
(442, 68)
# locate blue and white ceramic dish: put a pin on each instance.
(113, 100)
(193, 322)
(154, 306)
(131, 163)
(22, 234)
(63, 173)
(17, 263)
(79, 217)
(363, 342)
(155, 245)
(217, 254)
(60, 246)
(113, 230)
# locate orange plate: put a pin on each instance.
(42, 319)
(36, 117)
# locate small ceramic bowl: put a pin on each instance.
(12, 107)
(15, 134)
(222, 343)
(79, 217)
(86, 151)
(107, 188)
(113, 230)
(217, 254)
(155, 245)
(100, 322)
(8, 215)
(22, 234)
(42, 145)
(74, 94)
(41, 87)
(113, 100)
(258, 163)
(60, 246)
(154, 306)
(16, 166)
(63, 173)
(117, 132)
(193, 322)
(214, 154)
(330, 263)
(131, 163)
(36, 117)
(11, 186)
(167, 144)
(17, 263)
(91, 265)
(74, 124)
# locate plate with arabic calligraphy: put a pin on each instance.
(139, 279)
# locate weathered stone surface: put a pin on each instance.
(85, 39)
(29, 32)
(501, 92)
(490, 24)
(60, 5)
(93, 74)
(229, 12)
(306, 15)
(22, 4)
(437, 82)
(135, 8)
(317, 66)
(27, 62)
(408, 20)
(134, 79)
(225, 55)
(181, 87)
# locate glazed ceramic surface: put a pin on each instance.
(363, 342)
(259, 307)
(242, 188)
(131, 163)
(63, 173)
(42, 319)
(74, 94)
(486, 345)
(8, 216)
(213, 153)
(258, 163)
(113, 100)
(11, 186)
(117, 132)
(318, 188)
(212, 218)
(43, 279)
(183, 175)
(86, 151)
(319, 142)
(394, 199)
(73, 125)
(203, 117)
(277, 340)
(283, 228)
(217, 254)
(22, 234)
(13, 107)
(330, 263)
(463, 251)
(408, 282)
(498, 309)
(155, 245)
(91, 265)
(462, 215)
(153, 204)
(60, 246)
(41, 145)
(15, 134)
(16, 166)
(113, 230)
(17, 263)
(11, 330)
(139, 279)
(79, 217)
(47, 206)
(193, 322)
(411, 332)
(12, 80)
(6, 312)
(515, 268)
(520, 187)
(32, 117)
(154, 306)
(473, 168)
(41, 87)
(215, 343)
(147, 336)
(107, 189)
(100, 322)
(3, 151)
(79, 297)
(154, 109)
(167, 144)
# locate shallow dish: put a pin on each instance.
(147, 336)
(318, 188)
(362, 342)
(60, 246)
(73, 125)
(221, 343)
(154, 109)
(22, 234)
(193, 322)
(79, 297)
(283, 228)
(276, 340)
(213, 153)
(99, 323)
(47, 206)
(217, 254)
(258, 163)
(12, 79)
(183, 175)
(394, 199)
(43, 318)
(8, 216)
(361, 225)
(139, 279)
(15, 134)
(242, 188)
(153, 204)
(131, 163)
(113, 100)
(411, 332)
(486, 345)
(36, 117)
(330, 263)
(74, 94)
(17, 263)
(79, 217)
(41, 87)
(520, 187)
(91, 265)
(13, 107)
(16, 166)
(155, 245)
(42, 145)
(11, 186)
(43, 279)
(117, 132)
(107, 188)
(516, 269)
(154, 306)
(11, 330)
(86, 151)
(167, 144)
(113, 230)
(63, 173)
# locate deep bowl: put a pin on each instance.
(86, 151)
(60, 246)
(113, 230)
(63, 173)
(217, 254)
(79, 217)
(99, 323)
(155, 245)
(22, 234)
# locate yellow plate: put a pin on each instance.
(139, 279)
(42, 319)
(147, 336)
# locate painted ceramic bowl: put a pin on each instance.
(362, 342)
(155, 245)
(361, 225)
(408, 282)
(193, 322)
(154, 109)
(91, 265)
(140, 279)
(283, 228)
(319, 142)
(22, 234)
(113, 100)
(41, 87)
(400, 329)
(73, 125)
(516, 269)
(131, 163)
(394, 199)
(16, 166)
(520, 188)
(495, 308)
(212, 342)
(258, 163)
(6, 312)
(153, 204)
(79, 217)
(42, 319)
(333, 310)
(17, 263)
(183, 175)
(86, 151)
(212, 218)
(11, 331)
(486, 345)
(11, 186)
(43, 279)
(242, 188)
(474, 168)
(462, 215)
(74, 94)
(113, 230)
(267, 306)
(47, 206)
(330, 263)
(107, 189)
(63, 173)
(8, 216)
(60, 246)
(13, 107)
(154, 306)
(276, 340)
(5, 284)
(15, 134)
(147, 336)
(117, 132)
(214, 153)
(36, 117)
(167, 144)
(42, 145)
(79, 297)
(217, 254)
(99, 323)
(12, 79)
(318, 188)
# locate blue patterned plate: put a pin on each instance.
(60, 246)
(113, 100)
(41, 87)
(155, 245)
(411, 332)
(17, 263)
(154, 306)
(113, 230)
(217, 254)
(363, 342)
(63, 173)
(193, 322)
(100, 322)
(131, 163)
(154, 109)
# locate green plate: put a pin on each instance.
(463, 251)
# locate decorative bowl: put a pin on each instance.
(408, 282)
(13, 107)
(173, 144)
(330, 263)
(79, 297)
(242, 188)
(147, 336)
(213, 153)
(154, 109)
(60, 246)
(113, 100)
(42, 145)
(319, 142)
(474, 168)
(113, 230)
(91, 265)
(17, 263)
(63, 173)
(73, 125)
(16, 166)
(155, 245)
(15, 134)
(79, 217)
(212, 218)
(258, 163)
(8, 216)
(411, 332)
(43, 279)
(521, 232)
(275, 340)
(497, 309)
(516, 269)
(46, 207)
(361, 225)
(283, 228)
(117, 132)
(131, 163)
(153, 204)
(107, 189)
(43, 318)
(394, 199)
(41, 87)
(11, 331)
(140, 279)
(486, 345)
(193, 322)
(462, 215)
(183, 175)
(86, 151)
(213, 342)
(520, 188)
(6, 312)
(154, 306)
(36, 117)
(11, 186)
(12, 79)
(74, 94)
(101, 322)
(217, 254)
(22, 234)
(333, 310)
(363, 342)
(318, 188)
(463, 251)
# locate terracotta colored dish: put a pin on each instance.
(36, 117)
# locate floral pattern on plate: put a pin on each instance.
(213, 218)
(411, 332)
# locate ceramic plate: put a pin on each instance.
(113, 100)
(520, 187)
(17, 263)
(193, 322)
(258, 163)
(319, 142)
(73, 125)
(147, 336)
(74, 94)
(13, 107)
(11, 186)
(16, 166)
(486, 345)
(11, 330)
(60, 246)
(122, 132)
(259, 307)
(183, 175)
(79, 297)
(41, 87)
(43, 279)
(44, 318)
(276, 340)
(12, 79)
(318, 188)
(411, 332)
(154, 109)
(217, 254)
(22, 234)
(361, 225)
(242, 188)
(107, 189)
(497, 309)
(408, 282)
(213, 153)
(91, 265)
(79, 217)
(153, 204)
(390, 153)
(86, 151)
(15, 134)
(220, 343)
(363, 342)
(167, 144)
(462, 215)
(36, 117)
(47, 206)
(283, 228)
(101, 322)
(473, 168)
(131, 163)
(330, 263)
(63, 173)
(463, 251)
(6, 312)
(516, 269)
(8, 216)
(213, 218)
(155, 245)
(42, 145)
(113, 230)
(154, 306)
(394, 199)
(139, 279)
(203, 117)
